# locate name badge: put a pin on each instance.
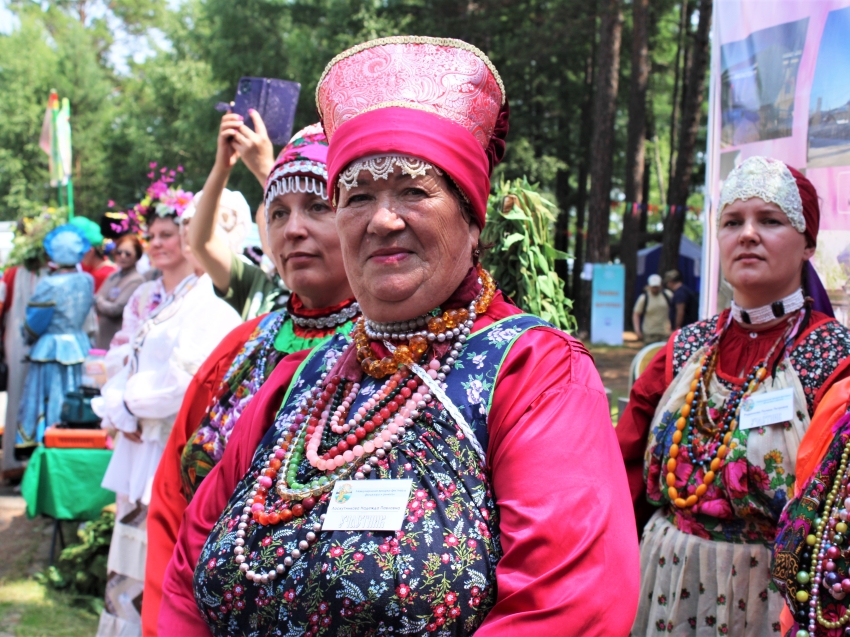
(114, 293)
(367, 505)
(769, 408)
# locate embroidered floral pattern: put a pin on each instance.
(435, 575)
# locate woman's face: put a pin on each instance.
(305, 248)
(125, 255)
(165, 248)
(761, 253)
(405, 243)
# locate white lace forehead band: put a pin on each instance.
(305, 176)
(382, 166)
(767, 179)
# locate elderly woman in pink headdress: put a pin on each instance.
(450, 466)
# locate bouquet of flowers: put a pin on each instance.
(28, 244)
(161, 199)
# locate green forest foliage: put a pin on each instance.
(162, 109)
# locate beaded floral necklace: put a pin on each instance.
(364, 438)
(692, 418)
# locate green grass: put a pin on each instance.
(28, 609)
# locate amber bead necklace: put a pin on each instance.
(692, 417)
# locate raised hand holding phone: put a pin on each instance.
(226, 154)
(254, 147)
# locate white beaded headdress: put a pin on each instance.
(767, 179)
(382, 166)
(300, 167)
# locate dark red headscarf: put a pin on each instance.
(811, 207)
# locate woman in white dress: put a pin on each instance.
(142, 400)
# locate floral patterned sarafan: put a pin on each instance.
(435, 575)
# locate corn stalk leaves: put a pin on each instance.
(519, 225)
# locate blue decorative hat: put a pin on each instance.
(66, 245)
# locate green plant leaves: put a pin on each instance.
(519, 225)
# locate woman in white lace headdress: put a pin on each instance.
(142, 400)
(716, 468)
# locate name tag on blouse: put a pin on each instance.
(768, 408)
(367, 505)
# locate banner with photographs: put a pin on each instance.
(780, 87)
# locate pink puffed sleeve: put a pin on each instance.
(571, 562)
(179, 614)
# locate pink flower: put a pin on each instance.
(735, 479)
(717, 508)
(691, 526)
(451, 540)
(110, 204)
(471, 543)
(337, 551)
(383, 548)
(267, 540)
(180, 169)
(358, 557)
(653, 490)
(759, 478)
(402, 590)
(211, 563)
(152, 164)
(451, 598)
(445, 558)
(420, 494)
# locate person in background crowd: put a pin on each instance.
(245, 286)
(651, 314)
(301, 221)
(19, 283)
(716, 481)
(54, 321)
(95, 263)
(684, 309)
(117, 289)
(142, 400)
(513, 522)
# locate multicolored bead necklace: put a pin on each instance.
(364, 438)
(453, 324)
(824, 545)
(692, 418)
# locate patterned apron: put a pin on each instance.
(436, 573)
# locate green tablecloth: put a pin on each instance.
(65, 483)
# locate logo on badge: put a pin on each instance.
(748, 404)
(344, 494)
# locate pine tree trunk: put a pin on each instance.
(680, 185)
(635, 151)
(581, 194)
(602, 142)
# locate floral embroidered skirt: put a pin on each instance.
(691, 586)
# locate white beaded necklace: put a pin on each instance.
(768, 313)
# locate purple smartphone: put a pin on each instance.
(274, 100)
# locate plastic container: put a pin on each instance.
(94, 369)
(60, 438)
